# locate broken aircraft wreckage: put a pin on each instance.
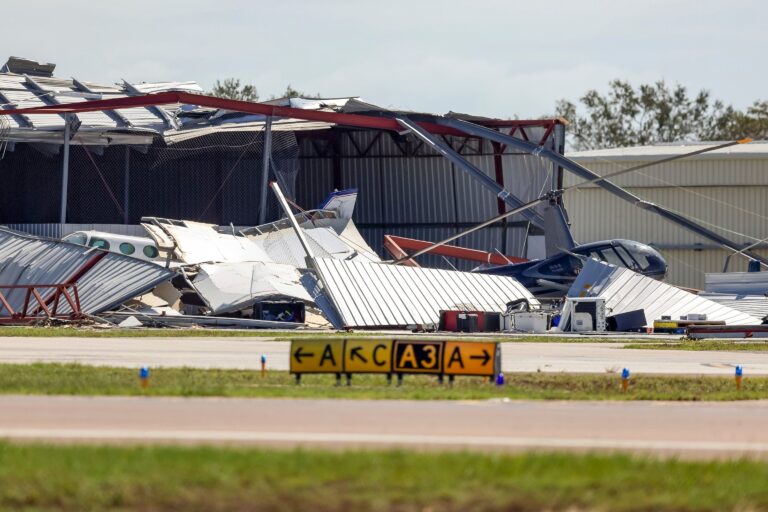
(311, 269)
(318, 259)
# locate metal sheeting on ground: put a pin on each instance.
(753, 305)
(380, 295)
(743, 283)
(625, 290)
(107, 283)
(229, 287)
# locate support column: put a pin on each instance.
(265, 170)
(65, 170)
(127, 186)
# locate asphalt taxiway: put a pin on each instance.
(245, 353)
(687, 429)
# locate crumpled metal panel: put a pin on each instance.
(197, 242)
(283, 246)
(625, 290)
(382, 295)
(228, 287)
(114, 279)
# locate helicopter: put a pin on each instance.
(551, 277)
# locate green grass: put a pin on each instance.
(90, 332)
(704, 345)
(78, 478)
(73, 379)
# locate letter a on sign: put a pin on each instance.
(471, 358)
(407, 358)
(317, 356)
(455, 359)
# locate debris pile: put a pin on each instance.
(314, 269)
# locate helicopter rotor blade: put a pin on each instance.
(657, 162)
(556, 193)
(579, 170)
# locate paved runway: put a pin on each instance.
(246, 352)
(686, 429)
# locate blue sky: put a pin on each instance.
(494, 58)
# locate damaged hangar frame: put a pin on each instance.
(406, 187)
(70, 169)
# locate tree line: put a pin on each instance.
(655, 113)
(232, 89)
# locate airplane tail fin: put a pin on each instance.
(557, 234)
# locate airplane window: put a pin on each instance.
(99, 243)
(127, 248)
(150, 251)
(77, 238)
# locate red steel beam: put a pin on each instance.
(396, 251)
(24, 315)
(451, 251)
(174, 97)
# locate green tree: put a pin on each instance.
(231, 89)
(290, 92)
(753, 123)
(652, 113)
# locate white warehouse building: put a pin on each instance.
(726, 191)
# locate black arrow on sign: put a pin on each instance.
(355, 353)
(299, 354)
(485, 357)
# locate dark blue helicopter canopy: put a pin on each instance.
(626, 253)
(649, 260)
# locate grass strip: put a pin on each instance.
(74, 379)
(76, 478)
(705, 345)
(90, 332)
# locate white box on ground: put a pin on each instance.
(536, 322)
(587, 314)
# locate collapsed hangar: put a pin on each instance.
(206, 164)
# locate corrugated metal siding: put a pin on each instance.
(315, 182)
(62, 230)
(624, 291)
(687, 267)
(364, 174)
(744, 283)
(115, 278)
(15, 89)
(377, 295)
(709, 172)
(418, 190)
(475, 203)
(422, 195)
(597, 214)
(753, 305)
